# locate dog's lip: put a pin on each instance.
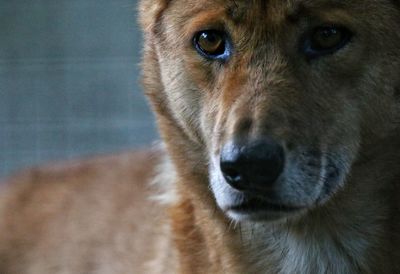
(262, 206)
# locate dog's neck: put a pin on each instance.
(351, 234)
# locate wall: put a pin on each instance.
(69, 81)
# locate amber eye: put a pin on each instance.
(326, 40)
(212, 44)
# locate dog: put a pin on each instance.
(280, 152)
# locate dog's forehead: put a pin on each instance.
(271, 11)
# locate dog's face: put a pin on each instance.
(284, 96)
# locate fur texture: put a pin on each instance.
(335, 115)
(337, 118)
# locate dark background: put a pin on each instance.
(69, 81)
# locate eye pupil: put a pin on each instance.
(326, 40)
(209, 37)
(211, 44)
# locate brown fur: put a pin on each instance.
(78, 218)
(100, 216)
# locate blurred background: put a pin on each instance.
(69, 81)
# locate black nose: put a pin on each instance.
(254, 165)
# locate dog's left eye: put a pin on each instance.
(326, 40)
(212, 44)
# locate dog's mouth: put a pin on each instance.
(256, 210)
(254, 206)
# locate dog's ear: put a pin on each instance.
(150, 12)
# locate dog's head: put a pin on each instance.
(280, 98)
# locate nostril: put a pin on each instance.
(230, 173)
(231, 166)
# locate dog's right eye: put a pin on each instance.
(212, 44)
